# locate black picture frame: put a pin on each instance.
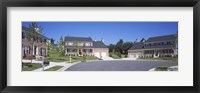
(98, 3)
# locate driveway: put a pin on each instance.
(119, 65)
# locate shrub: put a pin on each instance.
(126, 56)
(110, 55)
(118, 54)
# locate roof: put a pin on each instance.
(96, 44)
(86, 39)
(162, 38)
(138, 45)
(24, 29)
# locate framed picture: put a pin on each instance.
(99, 46)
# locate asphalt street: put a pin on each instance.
(119, 65)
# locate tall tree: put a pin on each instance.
(142, 40)
(126, 47)
(111, 48)
(119, 45)
(52, 41)
(61, 47)
(34, 29)
(49, 47)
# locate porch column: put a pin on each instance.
(65, 51)
(33, 49)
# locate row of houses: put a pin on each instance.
(153, 47)
(73, 46)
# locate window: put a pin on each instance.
(87, 44)
(26, 49)
(162, 43)
(44, 41)
(168, 43)
(80, 44)
(70, 44)
(23, 35)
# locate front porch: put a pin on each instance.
(159, 53)
(79, 52)
(31, 52)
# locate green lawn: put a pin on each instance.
(161, 68)
(30, 66)
(55, 68)
(55, 57)
(115, 56)
(73, 58)
(161, 58)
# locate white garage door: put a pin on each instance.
(103, 54)
(99, 54)
(131, 55)
(135, 55)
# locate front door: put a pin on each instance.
(35, 50)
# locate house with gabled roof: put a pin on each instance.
(81, 46)
(160, 46)
(33, 46)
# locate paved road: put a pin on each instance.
(119, 65)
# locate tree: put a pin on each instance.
(50, 47)
(142, 40)
(34, 27)
(61, 47)
(126, 46)
(52, 41)
(34, 30)
(111, 48)
(118, 47)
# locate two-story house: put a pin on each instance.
(80, 46)
(160, 46)
(33, 44)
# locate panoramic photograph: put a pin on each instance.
(99, 46)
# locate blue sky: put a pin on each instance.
(111, 32)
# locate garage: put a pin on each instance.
(135, 55)
(100, 54)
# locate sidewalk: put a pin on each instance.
(52, 64)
